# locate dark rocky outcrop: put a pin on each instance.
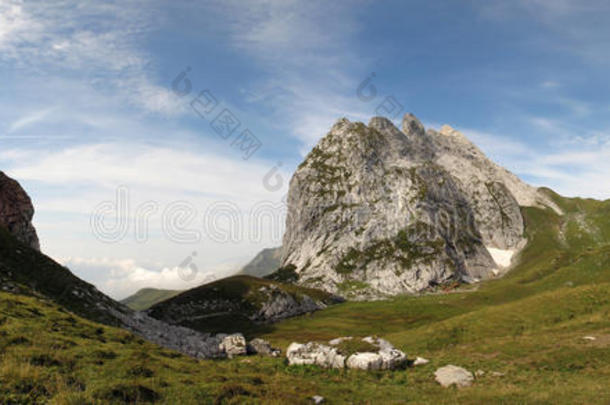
(17, 211)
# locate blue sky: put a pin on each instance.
(87, 106)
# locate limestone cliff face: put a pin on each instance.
(375, 211)
(495, 193)
(16, 212)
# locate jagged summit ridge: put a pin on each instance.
(376, 211)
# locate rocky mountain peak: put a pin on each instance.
(17, 211)
(411, 126)
(376, 211)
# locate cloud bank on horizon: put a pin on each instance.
(87, 105)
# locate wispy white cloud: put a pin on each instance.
(573, 24)
(307, 54)
(550, 84)
(100, 40)
(30, 118)
(311, 32)
(159, 169)
(581, 168)
(13, 22)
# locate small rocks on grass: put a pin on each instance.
(453, 375)
(317, 399)
(479, 373)
(497, 374)
(589, 338)
(385, 358)
(420, 361)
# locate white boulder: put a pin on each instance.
(314, 353)
(233, 345)
(365, 361)
(453, 375)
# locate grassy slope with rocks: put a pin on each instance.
(528, 325)
(147, 297)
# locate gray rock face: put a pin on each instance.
(183, 340)
(281, 305)
(494, 193)
(374, 211)
(16, 212)
(453, 375)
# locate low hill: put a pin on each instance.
(239, 304)
(147, 297)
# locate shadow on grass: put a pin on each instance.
(229, 323)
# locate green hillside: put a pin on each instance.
(529, 326)
(147, 297)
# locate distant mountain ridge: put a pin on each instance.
(147, 297)
(264, 263)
